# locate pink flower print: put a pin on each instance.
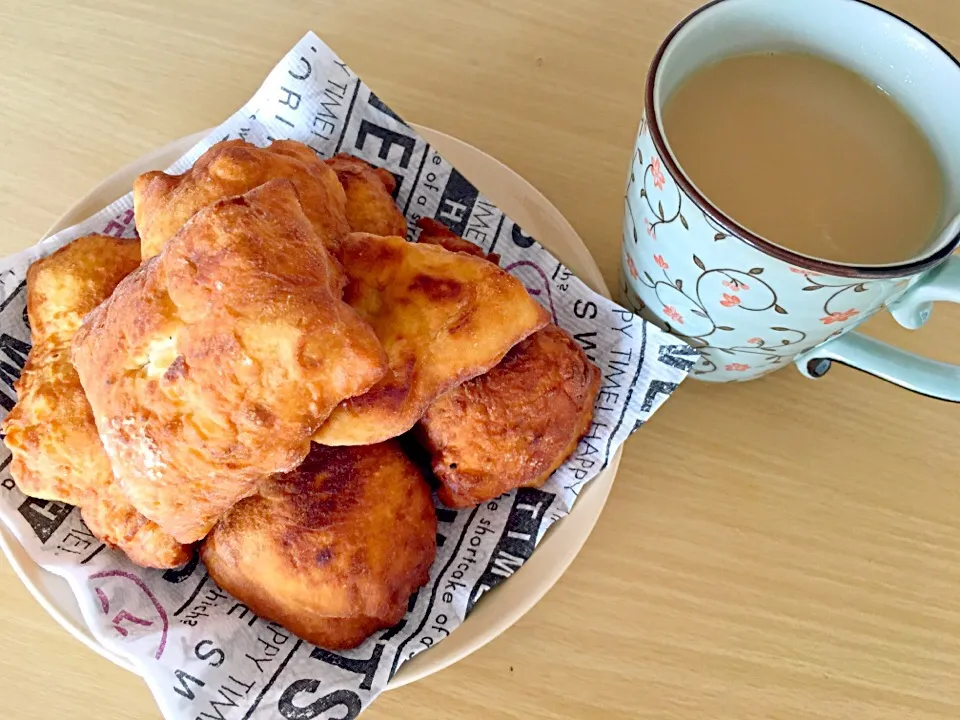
(632, 268)
(736, 367)
(651, 230)
(658, 179)
(672, 313)
(836, 317)
(755, 341)
(729, 300)
(735, 284)
(658, 259)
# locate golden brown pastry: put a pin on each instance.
(333, 550)
(434, 232)
(442, 318)
(117, 523)
(163, 203)
(515, 425)
(369, 191)
(210, 366)
(57, 454)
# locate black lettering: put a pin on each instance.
(607, 397)
(247, 686)
(214, 594)
(388, 138)
(44, 516)
(243, 613)
(585, 309)
(453, 585)
(446, 516)
(347, 699)
(206, 654)
(393, 631)
(367, 668)
(382, 107)
(257, 661)
(520, 238)
(16, 350)
(306, 72)
(657, 387)
(681, 357)
(293, 98)
(269, 649)
(279, 635)
(184, 689)
(517, 543)
(178, 575)
(215, 705)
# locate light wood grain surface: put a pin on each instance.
(782, 549)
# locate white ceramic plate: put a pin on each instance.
(504, 605)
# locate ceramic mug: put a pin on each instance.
(750, 305)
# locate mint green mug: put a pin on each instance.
(752, 306)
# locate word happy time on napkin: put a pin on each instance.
(203, 654)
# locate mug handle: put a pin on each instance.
(913, 372)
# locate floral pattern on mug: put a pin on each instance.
(836, 317)
(672, 313)
(658, 179)
(747, 312)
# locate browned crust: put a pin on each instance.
(442, 318)
(434, 232)
(211, 365)
(56, 451)
(369, 193)
(514, 426)
(333, 550)
(163, 203)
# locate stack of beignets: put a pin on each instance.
(279, 313)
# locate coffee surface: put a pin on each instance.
(809, 155)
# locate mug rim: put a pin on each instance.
(779, 252)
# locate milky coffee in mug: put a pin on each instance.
(795, 172)
(809, 155)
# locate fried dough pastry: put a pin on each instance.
(442, 318)
(369, 191)
(515, 425)
(434, 232)
(163, 203)
(210, 367)
(117, 523)
(57, 454)
(333, 550)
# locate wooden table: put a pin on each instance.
(782, 549)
